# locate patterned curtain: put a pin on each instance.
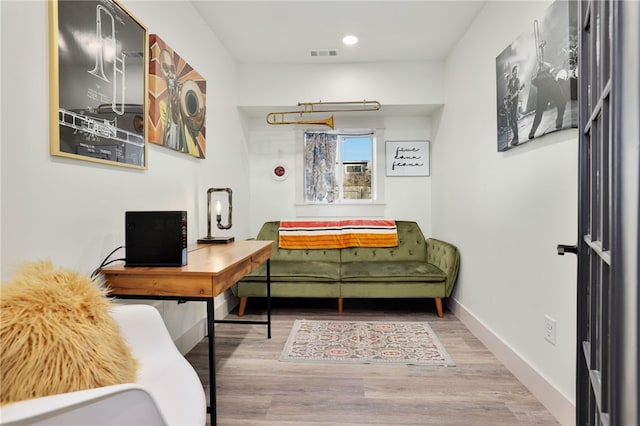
(319, 167)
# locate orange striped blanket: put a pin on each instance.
(337, 234)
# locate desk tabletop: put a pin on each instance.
(202, 259)
(210, 269)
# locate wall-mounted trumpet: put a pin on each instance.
(107, 43)
(321, 107)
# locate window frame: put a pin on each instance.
(375, 207)
(340, 166)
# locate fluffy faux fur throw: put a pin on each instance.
(56, 335)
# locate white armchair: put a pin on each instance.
(167, 390)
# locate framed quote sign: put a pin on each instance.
(407, 158)
(98, 71)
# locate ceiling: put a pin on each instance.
(388, 31)
(285, 32)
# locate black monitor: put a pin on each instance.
(156, 238)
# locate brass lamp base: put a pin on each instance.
(216, 240)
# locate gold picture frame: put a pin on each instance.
(98, 77)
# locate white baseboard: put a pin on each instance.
(224, 304)
(189, 339)
(557, 404)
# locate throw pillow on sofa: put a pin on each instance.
(56, 335)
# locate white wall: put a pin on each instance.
(507, 211)
(406, 83)
(272, 85)
(72, 212)
(405, 198)
(1, 133)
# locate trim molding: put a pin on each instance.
(222, 305)
(190, 338)
(557, 404)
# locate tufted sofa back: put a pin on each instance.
(411, 246)
(269, 231)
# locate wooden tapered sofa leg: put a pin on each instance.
(243, 306)
(340, 305)
(439, 307)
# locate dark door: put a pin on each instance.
(608, 244)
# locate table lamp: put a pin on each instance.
(217, 240)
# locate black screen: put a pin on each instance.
(156, 238)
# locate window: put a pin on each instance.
(356, 171)
(354, 168)
(338, 167)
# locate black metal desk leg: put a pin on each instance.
(269, 298)
(212, 361)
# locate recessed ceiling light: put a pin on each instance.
(350, 40)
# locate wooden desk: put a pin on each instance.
(211, 269)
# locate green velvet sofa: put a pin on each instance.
(418, 267)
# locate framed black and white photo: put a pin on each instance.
(98, 72)
(536, 78)
(407, 158)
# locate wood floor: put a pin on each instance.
(254, 388)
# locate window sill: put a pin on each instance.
(341, 210)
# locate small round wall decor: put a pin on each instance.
(279, 171)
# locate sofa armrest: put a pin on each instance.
(446, 257)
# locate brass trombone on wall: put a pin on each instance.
(321, 107)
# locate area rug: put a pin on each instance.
(365, 342)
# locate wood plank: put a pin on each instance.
(211, 269)
(204, 259)
(254, 387)
(159, 285)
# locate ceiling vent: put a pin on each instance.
(323, 53)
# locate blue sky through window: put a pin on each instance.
(356, 148)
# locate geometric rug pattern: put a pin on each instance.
(365, 342)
